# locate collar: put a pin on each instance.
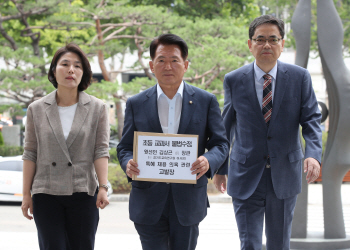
(259, 73)
(180, 90)
(51, 98)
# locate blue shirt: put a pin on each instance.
(259, 81)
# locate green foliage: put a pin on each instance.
(32, 32)
(117, 178)
(114, 130)
(221, 42)
(116, 175)
(65, 21)
(216, 32)
(343, 8)
(209, 9)
(324, 142)
(216, 47)
(137, 85)
(104, 89)
(113, 156)
(10, 150)
(14, 109)
(25, 77)
(2, 143)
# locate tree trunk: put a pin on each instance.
(101, 61)
(106, 77)
(118, 102)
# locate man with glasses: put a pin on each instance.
(265, 102)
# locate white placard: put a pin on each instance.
(165, 157)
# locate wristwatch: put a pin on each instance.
(104, 186)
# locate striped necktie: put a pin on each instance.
(267, 99)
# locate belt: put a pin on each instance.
(268, 166)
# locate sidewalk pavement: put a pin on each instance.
(315, 196)
(217, 231)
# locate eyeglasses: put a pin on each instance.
(271, 40)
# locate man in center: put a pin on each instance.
(167, 215)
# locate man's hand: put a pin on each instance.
(200, 166)
(220, 182)
(102, 199)
(132, 168)
(27, 203)
(312, 167)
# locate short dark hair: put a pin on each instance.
(263, 20)
(169, 39)
(87, 73)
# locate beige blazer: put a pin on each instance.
(64, 167)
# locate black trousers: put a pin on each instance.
(66, 222)
(168, 233)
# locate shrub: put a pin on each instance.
(1, 139)
(113, 156)
(324, 142)
(117, 178)
(11, 150)
(116, 175)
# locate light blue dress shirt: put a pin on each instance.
(169, 110)
(259, 81)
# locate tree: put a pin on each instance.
(23, 63)
(277, 8)
(216, 32)
(120, 29)
(215, 48)
(210, 9)
(132, 28)
(25, 50)
(103, 28)
(112, 29)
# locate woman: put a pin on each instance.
(66, 146)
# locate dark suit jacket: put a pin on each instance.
(294, 103)
(203, 118)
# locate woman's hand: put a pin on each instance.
(28, 176)
(27, 203)
(102, 199)
(101, 168)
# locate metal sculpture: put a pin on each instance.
(337, 155)
(301, 25)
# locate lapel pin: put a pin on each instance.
(190, 102)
